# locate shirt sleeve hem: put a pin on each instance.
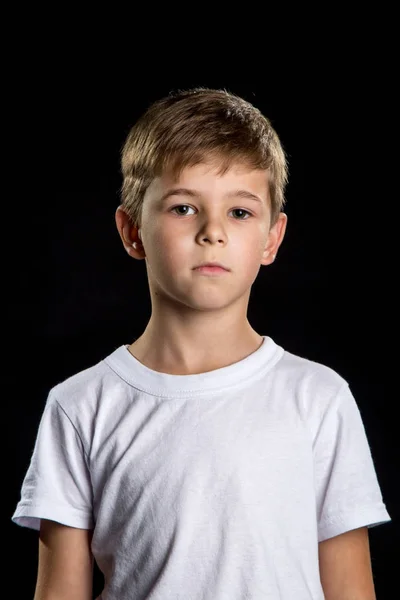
(369, 516)
(29, 515)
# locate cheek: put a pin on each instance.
(169, 249)
(248, 248)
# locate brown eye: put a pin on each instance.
(179, 207)
(241, 210)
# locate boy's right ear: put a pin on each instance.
(129, 234)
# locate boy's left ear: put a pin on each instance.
(275, 238)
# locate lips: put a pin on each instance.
(213, 264)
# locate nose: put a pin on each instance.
(212, 231)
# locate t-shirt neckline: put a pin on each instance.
(136, 374)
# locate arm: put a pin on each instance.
(65, 570)
(345, 566)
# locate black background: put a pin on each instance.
(76, 295)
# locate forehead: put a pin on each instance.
(206, 178)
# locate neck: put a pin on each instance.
(175, 347)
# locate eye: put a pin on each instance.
(241, 210)
(180, 206)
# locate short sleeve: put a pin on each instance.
(348, 495)
(57, 484)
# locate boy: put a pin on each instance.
(203, 461)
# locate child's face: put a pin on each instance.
(222, 218)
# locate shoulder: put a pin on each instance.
(311, 387)
(308, 376)
(82, 394)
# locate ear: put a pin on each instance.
(129, 234)
(275, 238)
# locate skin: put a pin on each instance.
(199, 323)
(65, 568)
(345, 566)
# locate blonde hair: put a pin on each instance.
(193, 126)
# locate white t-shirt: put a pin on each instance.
(213, 486)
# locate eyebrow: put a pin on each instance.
(193, 194)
